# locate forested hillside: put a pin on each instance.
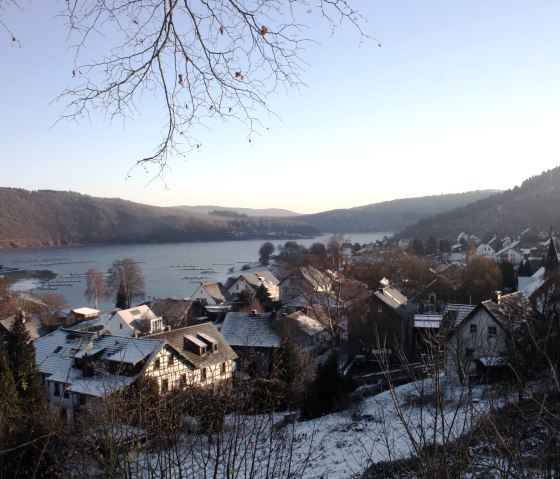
(40, 218)
(390, 215)
(534, 205)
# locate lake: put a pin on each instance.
(171, 270)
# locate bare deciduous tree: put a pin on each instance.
(127, 273)
(50, 306)
(95, 286)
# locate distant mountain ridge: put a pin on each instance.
(268, 212)
(45, 217)
(534, 204)
(392, 215)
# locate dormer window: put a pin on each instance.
(194, 344)
(209, 341)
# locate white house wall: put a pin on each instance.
(116, 326)
(481, 343)
(178, 373)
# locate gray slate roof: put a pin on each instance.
(175, 339)
(250, 329)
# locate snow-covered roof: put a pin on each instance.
(59, 356)
(308, 325)
(136, 314)
(250, 329)
(86, 311)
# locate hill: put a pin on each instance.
(44, 217)
(534, 205)
(269, 212)
(389, 215)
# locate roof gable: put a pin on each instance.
(204, 332)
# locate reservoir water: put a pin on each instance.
(171, 270)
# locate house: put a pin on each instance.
(426, 334)
(305, 331)
(388, 330)
(462, 237)
(404, 243)
(81, 370)
(457, 258)
(175, 313)
(453, 315)
(134, 322)
(81, 314)
(207, 360)
(254, 338)
(251, 281)
(436, 294)
(312, 302)
(511, 253)
(32, 323)
(543, 288)
(301, 281)
(211, 294)
(479, 345)
(484, 249)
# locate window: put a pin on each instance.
(171, 360)
(473, 328)
(157, 363)
(379, 309)
(492, 331)
(164, 385)
(469, 352)
(183, 379)
(223, 368)
(203, 374)
(56, 389)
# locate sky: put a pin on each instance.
(460, 96)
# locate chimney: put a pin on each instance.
(497, 297)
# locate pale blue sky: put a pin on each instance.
(461, 96)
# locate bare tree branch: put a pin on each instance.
(205, 59)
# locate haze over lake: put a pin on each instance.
(171, 270)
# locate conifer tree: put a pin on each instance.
(327, 392)
(121, 302)
(263, 295)
(9, 405)
(21, 355)
(290, 370)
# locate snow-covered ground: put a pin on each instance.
(383, 427)
(388, 426)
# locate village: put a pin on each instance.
(298, 334)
